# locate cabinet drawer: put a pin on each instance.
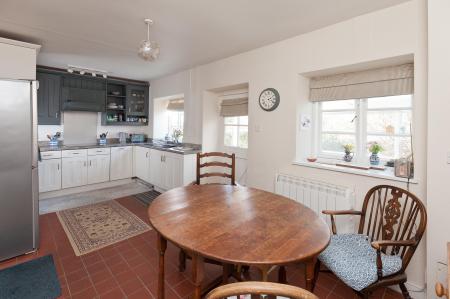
(121, 148)
(99, 151)
(74, 153)
(51, 155)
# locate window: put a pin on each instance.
(175, 121)
(236, 131)
(385, 120)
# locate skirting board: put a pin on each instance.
(68, 191)
(414, 290)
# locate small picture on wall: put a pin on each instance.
(305, 122)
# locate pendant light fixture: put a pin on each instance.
(149, 50)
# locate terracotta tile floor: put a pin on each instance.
(128, 269)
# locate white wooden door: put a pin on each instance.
(121, 162)
(156, 168)
(142, 163)
(49, 175)
(98, 169)
(74, 172)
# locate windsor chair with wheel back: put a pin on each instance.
(392, 223)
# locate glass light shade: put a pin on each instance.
(149, 50)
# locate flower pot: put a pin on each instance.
(348, 157)
(374, 159)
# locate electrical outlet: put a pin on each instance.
(448, 157)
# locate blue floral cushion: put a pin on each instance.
(351, 258)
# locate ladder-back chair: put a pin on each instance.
(208, 164)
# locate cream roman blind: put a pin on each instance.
(380, 82)
(176, 105)
(234, 104)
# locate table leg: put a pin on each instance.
(198, 274)
(227, 272)
(310, 267)
(264, 272)
(282, 274)
(162, 245)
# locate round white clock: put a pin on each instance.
(269, 99)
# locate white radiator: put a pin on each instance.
(319, 196)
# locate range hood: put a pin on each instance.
(81, 99)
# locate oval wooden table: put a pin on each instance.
(236, 225)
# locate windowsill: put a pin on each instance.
(387, 174)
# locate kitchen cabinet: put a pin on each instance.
(171, 170)
(49, 98)
(74, 169)
(98, 167)
(79, 93)
(121, 163)
(142, 165)
(49, 174)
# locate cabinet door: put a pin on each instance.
(48, 99)
(121, 163)
(137, 100)
(156, 169)
(173, 170)
(49, 175)
(98, 169)
(74, 172)
(142, 163)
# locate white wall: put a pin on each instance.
(438, 192)
(392, 32)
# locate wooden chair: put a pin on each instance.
(392, 223)
(204, 165)
(259, 288)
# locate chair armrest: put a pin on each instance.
(378, 245)
(335, 213)
(342, 212)
(383, 243)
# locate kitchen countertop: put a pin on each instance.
(182, 148)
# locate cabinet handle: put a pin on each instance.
(56, 115)
(146, 154)
(160, 158)
(58, 166)
(90, 162)
(84, 164)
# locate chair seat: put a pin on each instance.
(352, 258)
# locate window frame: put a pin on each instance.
(238, 125)
(179, 121)
(361, 110)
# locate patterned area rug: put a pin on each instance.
(147, 197)
(99, 225)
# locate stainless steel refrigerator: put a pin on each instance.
(19, 188)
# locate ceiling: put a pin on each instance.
(105, 34)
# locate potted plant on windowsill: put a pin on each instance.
(348, 148)
(375, 149)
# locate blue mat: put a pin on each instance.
(35, 279)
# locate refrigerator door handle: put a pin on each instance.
(34, 123)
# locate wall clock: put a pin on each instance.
(269, 99)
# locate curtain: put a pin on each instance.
(380, 82)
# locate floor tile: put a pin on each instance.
(130, 267)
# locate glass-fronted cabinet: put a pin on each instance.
(137, 104)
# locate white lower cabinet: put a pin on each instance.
(98, 169)
(74, 168)
(49, 175)
(142, 165)
(74, 171)
(121, 163)
(170, 170)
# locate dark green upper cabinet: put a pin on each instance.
(49, 99)
(82, 94)
(137, 100)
